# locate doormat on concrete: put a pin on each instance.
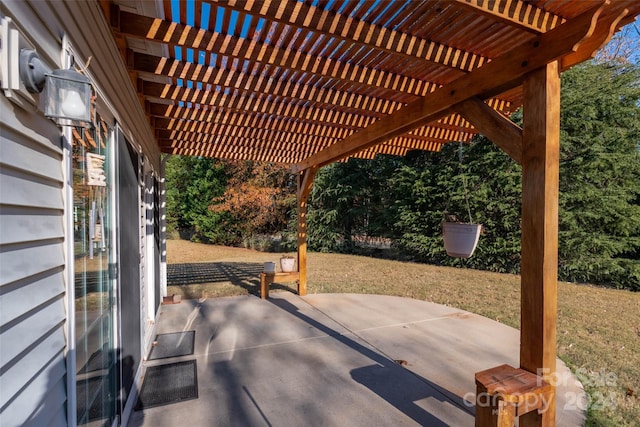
(170, 383)
(173, 345)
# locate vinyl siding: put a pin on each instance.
(32, 262)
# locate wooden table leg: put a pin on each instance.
(506, 414)
(486, 413)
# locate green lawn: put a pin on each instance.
(598, 329)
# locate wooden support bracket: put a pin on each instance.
(495, 126)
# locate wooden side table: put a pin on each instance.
(504, 393)
(266, 279)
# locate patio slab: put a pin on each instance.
(336, 360)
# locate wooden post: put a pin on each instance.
(305, 182)
(539, 265)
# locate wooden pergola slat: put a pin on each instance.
(254, 83)
(517, 13)
(335, 25)
(173, 33)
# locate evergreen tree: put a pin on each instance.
(421, 198)
(192, 183)
(600, 175)
(348, 200)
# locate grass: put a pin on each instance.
(598, 329)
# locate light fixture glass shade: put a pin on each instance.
(68, 98)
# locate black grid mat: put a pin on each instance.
(170, 383)
(173, 345)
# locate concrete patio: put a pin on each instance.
(337, 360)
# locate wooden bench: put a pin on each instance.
(504, 393)
(266, 279)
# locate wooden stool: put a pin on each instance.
(504, 393)
(266, 279)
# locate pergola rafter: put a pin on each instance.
(359, 80)
(234, 47)
(356, 32)
(240, 93)
(516, 13)
(571, 43)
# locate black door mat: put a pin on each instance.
(173, 345)
(170, 383)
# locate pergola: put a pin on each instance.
(308, 83)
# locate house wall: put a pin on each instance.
(32, 264)
(35, 262)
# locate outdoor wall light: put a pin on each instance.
(67, 93)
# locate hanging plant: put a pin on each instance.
(460, 238)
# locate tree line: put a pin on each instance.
(403, 200)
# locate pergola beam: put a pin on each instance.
(501, 74)
(605, 28)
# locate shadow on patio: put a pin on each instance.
(332, 360)
(245, 275)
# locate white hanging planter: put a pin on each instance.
(287, 264)
(460, 239)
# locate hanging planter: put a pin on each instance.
(287, 264)
(460, 238)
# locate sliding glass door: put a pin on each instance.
(95, 300)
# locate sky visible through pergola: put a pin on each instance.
(189, 54)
